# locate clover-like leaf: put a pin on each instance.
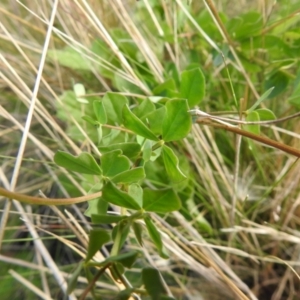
(279, 80)
(130, 149)
(100, 112)
(172, 164)
(120, 232)
(144, 108)
(136, 192)
(85, 163)
(126, 259)
(98, 237)
(265, 114)
(113, 163)
(192, 86)
(129, 176)
(90, 120)
(147, 150)
(160, 201)
(153, 283)
(253, 117)
(154, 119)
(138, 232)
(132, 122)
(166, 89)
(70, 58)
(113, 104)
(177, 121)
(156, 237)
(96, 206)
(112, 194)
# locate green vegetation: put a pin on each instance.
(184, 115)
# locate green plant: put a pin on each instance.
(130, 141)
(128, 164)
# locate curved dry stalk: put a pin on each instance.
(47, 201)
(236, 121)
(258, 138)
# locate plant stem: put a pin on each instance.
(47, 201)
(92, 283)
(261, 139)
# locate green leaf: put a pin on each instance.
(122, 84)
(69, 109)
(155, 154)
(111, 137)
(113, 163)
(192, 86)
(96, 206)
(90, 120)
(253, 117)
(155, 99)
(69, 57)
(120, 233)
(79, 91)
(261, 99)
(177, 122)
(136, 192)
(72, 280)
(144, 108)
(113, 104)
(133, 123)
(126, 259)
(131, 150)
(153, 283)
(156, 237)
(147, 150)
(117, 270)
(106, 219)
(85, 163)
(138, 232)
(265, 114)
(98, 237)
(154, 119)
(125, 294)
(100, 112)
(130, 176)
(165, 89)
(99, 133)
(246, 25)
(112, 194)
(172, 164)
(160, 201)
(203, 223)
(100, 49)
(279, 80)
(294, 99)
(93, 207)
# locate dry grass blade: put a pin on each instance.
(29, 285)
